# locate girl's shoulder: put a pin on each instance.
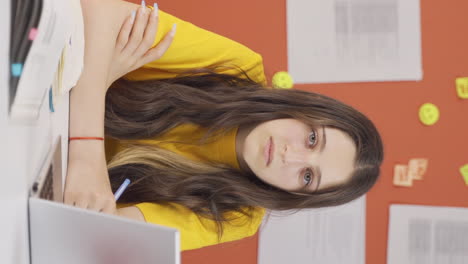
(106, 14)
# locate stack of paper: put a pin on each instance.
(70, 64)
(57, 51)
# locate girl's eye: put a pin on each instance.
(312, 138)
(307, 177)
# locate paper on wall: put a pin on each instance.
(427, 235)
(326, 236)
(354, 40)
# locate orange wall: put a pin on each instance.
(393, 106)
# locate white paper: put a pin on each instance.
(427, 235)
(71, 60)
(354, 40)
(73, 65)
(326, 236)
(60, 21)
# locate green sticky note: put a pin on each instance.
(464, 173)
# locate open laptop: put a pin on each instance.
(63, 234)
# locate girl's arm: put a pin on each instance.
(108, 54)
(87, 184)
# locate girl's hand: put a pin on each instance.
(133, 45)
(88, 184)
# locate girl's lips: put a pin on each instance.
(268, 151)
(272, 150)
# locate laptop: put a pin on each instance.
(64, 234)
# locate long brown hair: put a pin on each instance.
(220, 102)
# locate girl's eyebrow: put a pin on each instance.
(319, 175)
(324, 140)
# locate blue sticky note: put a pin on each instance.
(51, 103)
(16, 69)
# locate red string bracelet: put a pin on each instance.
(85, 138)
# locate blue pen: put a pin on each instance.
(121, 189)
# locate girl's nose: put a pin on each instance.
(295, 156)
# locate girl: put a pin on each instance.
(207, 146)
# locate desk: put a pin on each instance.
(21, 154)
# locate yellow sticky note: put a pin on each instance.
(462, 87)
(429, 114)
(282, 80)
(464, 173)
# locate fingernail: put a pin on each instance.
(133, 16)
(173, 30)
(156, 9)
(143, 6)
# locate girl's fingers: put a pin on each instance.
(97, 205)
(109, 208)
(150, 33)
(69, 200)
(124, 33)
(137, 31)
(158, 51)
(81, 203)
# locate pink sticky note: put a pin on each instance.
(417, 168)
(32, 33)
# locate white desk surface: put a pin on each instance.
(21, 153)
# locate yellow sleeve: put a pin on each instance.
(198, 232)
(194, 47)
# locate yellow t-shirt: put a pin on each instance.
(221, 150)
(192, 48)
(195, 232)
